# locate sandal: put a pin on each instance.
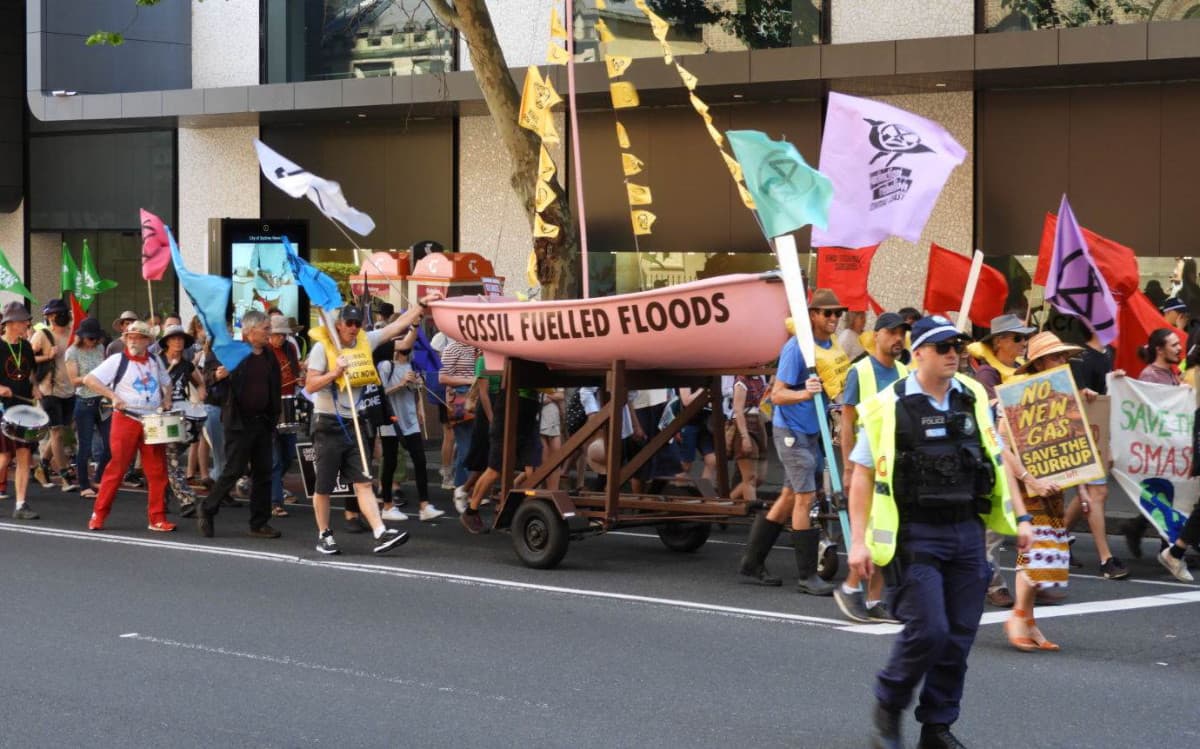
(1040, 639)
(279, 512)
(1024, 643)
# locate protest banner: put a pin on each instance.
(1151, 433)
(1047, 427)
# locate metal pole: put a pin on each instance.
(571, 108)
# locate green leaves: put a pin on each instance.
(110, 38)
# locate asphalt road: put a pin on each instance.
(134, 639)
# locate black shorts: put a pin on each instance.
(477, 452)
(60, 410)
(337, 452)
(443, 414)
(529, 438)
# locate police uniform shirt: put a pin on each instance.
(861, 454)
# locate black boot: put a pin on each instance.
(762, 537)
(938, 736)
(885, 731)
(806, 544)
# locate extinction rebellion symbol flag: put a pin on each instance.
(888, 167)
(1074, 286)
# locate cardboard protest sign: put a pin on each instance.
(1048, 429)
(1097, 413)
(1151, 433)
(306, 456)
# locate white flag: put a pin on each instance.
(325, 194)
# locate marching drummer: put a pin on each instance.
(183, 376)
(16, 388)
(137, 385)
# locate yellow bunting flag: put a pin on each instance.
(668, 58)
(531, 276)
(622, 136)
(537, 97)
(688, 79)
(698, 104)
(546, 168)
(557, 30)
(602, 31)
(542, 229)
(617, 65)
(601, 5)
(641, 5)
(549, 132)
(658, 26)
(747, 199)
(638, 194)
(556, 55)
(735, 169)
(715, 134)
(642, 221)
(630, 164)
(543, 196)
(624, 95)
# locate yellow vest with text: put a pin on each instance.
(359, 365)
(879, 421)
(832, 367)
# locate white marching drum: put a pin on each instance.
(25, 423)
(163, 429)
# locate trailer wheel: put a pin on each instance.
(685, 537)
(539, 534)
(828, 562)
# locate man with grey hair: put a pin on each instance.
(248, 417)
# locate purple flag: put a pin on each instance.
(1074, 286)
(888, 167)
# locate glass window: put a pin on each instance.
(1023, 15)
(629, 272)
(118, 257)
(319, 40)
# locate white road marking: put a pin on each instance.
(354, 672)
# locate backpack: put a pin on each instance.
(576, 416)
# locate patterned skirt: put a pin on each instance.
(1048, 561)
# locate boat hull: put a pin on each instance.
(728, 322)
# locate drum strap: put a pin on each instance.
(121, 368)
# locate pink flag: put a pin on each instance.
(156, 251)
(1074, 286)
(888, 167)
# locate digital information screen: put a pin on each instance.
(254, 258)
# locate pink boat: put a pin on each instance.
(726, 322)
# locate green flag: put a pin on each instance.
(788, 193)
(10, 281)
(90, 282)
(70, 273)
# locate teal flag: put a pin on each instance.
(787, 191)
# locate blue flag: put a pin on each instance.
(210, 298)
(788, 193)
(321, 289)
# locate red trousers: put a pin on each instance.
(125, 437)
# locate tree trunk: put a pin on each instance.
(556, 258)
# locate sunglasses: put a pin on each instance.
(352, 323)
(833, 312)
(945, 347)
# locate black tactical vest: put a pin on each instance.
(940, 463)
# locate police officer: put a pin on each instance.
(928, 477)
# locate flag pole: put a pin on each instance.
(964, 312)
(337, 349)
(150, 293)
(398, 289)
(573, 110)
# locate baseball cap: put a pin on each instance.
(54, 306)
(934, 329)
(890, 320)
(350, 313)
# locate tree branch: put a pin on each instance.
(445, 13)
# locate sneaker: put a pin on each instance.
(429, 512)
(1114, 569)
(471, 521)
(69, 486)
(390, 539)
(39, 473)
(278, 512)
(87, 494)
(326, 544)
(461, 500)
(242, 488)
(393, 514)
(356, 525)
(1000, 598)
(852, 605)
(95, 523)
(880, 613)
(1176, 567)
(162, 526)
(264, 531)
(25, 512)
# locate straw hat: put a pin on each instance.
(1043, 345)
(137, 327)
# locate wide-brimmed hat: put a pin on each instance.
(90, 328)
(825, 299)
(15, 312)
(177, 330)
(1042, 345)
(1007, 324)
(137, 327)
(126, 315)
(280, 325)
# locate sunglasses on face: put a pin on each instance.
(1018, 338)
(832, 312)
(946, 347)
(352, 323)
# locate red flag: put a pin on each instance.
(1137, 318)
(846, 272)
(947, 280)
(1116, 262)
(156, 251)
(77, 315)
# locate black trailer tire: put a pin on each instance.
(827, 565)
(684, 537)
(539, 534)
